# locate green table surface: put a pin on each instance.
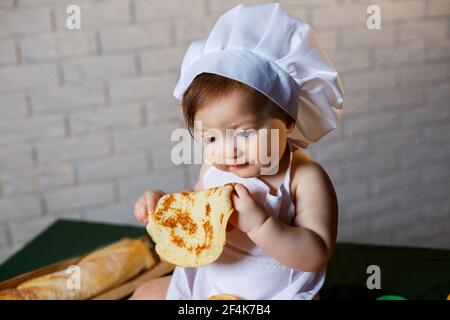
(414, 273)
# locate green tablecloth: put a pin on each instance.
(411, 272)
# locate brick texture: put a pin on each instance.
(86, 115)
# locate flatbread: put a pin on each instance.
(189, 228)
(223, 297)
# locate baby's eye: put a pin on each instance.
(209, 139)
(245, 133)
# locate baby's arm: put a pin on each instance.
(308, 244)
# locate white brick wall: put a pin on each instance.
(86, 116)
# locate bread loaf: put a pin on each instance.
(99, 271)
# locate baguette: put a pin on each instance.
(101, 270)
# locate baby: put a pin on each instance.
(284, 229)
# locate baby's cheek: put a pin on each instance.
(253, 152)
(209, 155)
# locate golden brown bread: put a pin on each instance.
(223, 297)
(189, 227)
(101, 270)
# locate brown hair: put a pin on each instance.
(209, 87)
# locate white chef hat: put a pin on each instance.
(278, 55)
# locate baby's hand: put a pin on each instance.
(250, 215)
(146, 204)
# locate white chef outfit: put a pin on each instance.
(280, 56)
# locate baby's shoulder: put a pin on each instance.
(307, 174)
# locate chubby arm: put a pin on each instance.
(309, 242)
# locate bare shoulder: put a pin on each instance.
(203, 168)
(307, 175)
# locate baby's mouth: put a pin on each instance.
(238, 165)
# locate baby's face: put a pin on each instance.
(240, 138)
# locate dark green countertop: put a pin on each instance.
(411, 272)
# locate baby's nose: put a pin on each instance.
(230, 148)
